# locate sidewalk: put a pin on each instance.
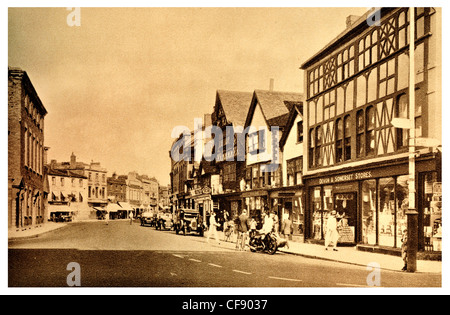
(34, 231)
(349, 255)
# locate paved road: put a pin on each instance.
(120, 255)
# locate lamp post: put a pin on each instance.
(412, 214)
(409, 123)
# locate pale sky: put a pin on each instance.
(115, 86)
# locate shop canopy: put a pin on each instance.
(113, 207)
(59, 208)
(125, 206)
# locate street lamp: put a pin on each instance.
(409, 123)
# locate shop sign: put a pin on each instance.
(345, 177)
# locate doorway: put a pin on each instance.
(346, 206)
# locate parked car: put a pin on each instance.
(148, 218)
(61, 216)
(189, 220)
(164, 221)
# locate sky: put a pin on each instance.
(118, 84)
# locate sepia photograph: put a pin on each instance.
(224, 146)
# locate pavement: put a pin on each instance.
(349, 255)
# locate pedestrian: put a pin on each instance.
(331, 235)
(131, 217)
(267, 226)
(253, 225)
(405, 249)
(213, 227)
(106, 216)
(243, 227)
(286, 228)
(276, 224)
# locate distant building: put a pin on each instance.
(68, 193)
(27, 182)
(164, 196)
(96, 182)
(117, 188)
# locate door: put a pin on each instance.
(346, 206)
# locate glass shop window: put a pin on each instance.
(369, 213)
(386, 206)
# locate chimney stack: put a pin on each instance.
(73, 161)
(271, 85)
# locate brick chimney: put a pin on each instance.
(73, 161)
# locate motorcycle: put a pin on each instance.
(269, 244)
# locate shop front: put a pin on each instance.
(257, 204)
(372, 204)
(288, 204)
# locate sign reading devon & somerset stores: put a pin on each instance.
(360, 175)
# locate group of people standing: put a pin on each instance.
(246, 226)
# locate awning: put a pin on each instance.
(59, 208)
(113, 207)
(125, 206)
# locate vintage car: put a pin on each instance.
(164, 221)
(187, 221)
(61, 216)
(148, 218)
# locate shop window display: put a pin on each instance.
(386, 206)
(402, 207)
(432, 212)
(317, 213)
(369, 213)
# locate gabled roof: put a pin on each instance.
(274, 105)
(296, 110)
(235, 105)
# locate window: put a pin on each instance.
(370, 133)
(300, 131)
(311, 147)
(294, 171)
(339, 140)
(53, 180)
(262, 140)
(360, 128)
(253, 143)
(230, 173)
(402, 112)
(345, 63)
(368, 50)
(255, 171)
(318, 151)
(62, 181)
(347, 138)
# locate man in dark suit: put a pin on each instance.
(243, 227)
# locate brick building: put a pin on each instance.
(27, 183)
